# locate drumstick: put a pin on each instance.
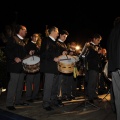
(33, 57)
(66, 56)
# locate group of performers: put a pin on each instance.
(59, 84)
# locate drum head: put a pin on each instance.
(31, 60)
(67, 59)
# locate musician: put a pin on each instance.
(69, 84)
(33, 79)
(48, 65)
(103, 81)
(15, 52)
(63, 50)
(92, 67)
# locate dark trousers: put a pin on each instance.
(92, 82)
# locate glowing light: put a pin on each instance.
(77, 47)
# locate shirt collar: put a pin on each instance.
(20, 37)
(60, 40)
(52, 38)
(92, 43)
(33, 42)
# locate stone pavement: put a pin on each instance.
(77, 109)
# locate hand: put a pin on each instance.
(87, 44)
(64, 53)
(32, 52)
(17, 60)
(56, 59)
(71, 53)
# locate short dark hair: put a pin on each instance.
(96, 35)
(18, 27)
(64, 32)
(52, 28)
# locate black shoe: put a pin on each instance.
(23, 104)
(65, 98)
(69, 98)
(72, 97)
(30, 100)
(11, 108)
(91, 101)
(59, 105)
(48, 108)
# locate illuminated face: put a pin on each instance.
(96, 41)
(56, 33)
(73, 45)
(63, 37)
(35, 37)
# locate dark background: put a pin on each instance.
(79, 18)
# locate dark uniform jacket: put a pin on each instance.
(15, 47)
(48, 52)
(61, 47)
(32, 46)
(93, 59)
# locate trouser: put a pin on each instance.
(50, 89)
(15, 88)
(116, 90)
(66, 85)
(32, 85)
(92, 80)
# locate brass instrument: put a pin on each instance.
(86, 48)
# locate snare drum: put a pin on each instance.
(31, 64)
(66, 64)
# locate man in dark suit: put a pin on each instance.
(63, 49)
(92, 66)
(15, 53)
(48, 65)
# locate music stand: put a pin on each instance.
(109, 91)
(86, 103)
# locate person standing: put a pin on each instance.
(15, 53)
(92, 67)
(33, 79)
(68, 86)
(113, 54)
(48, 66)
(63, 49)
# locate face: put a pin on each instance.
(63, 37)
(96, 41)
(35, 37)
(55, 33)
(23, 31)
(73, 45)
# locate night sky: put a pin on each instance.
(78, 18)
